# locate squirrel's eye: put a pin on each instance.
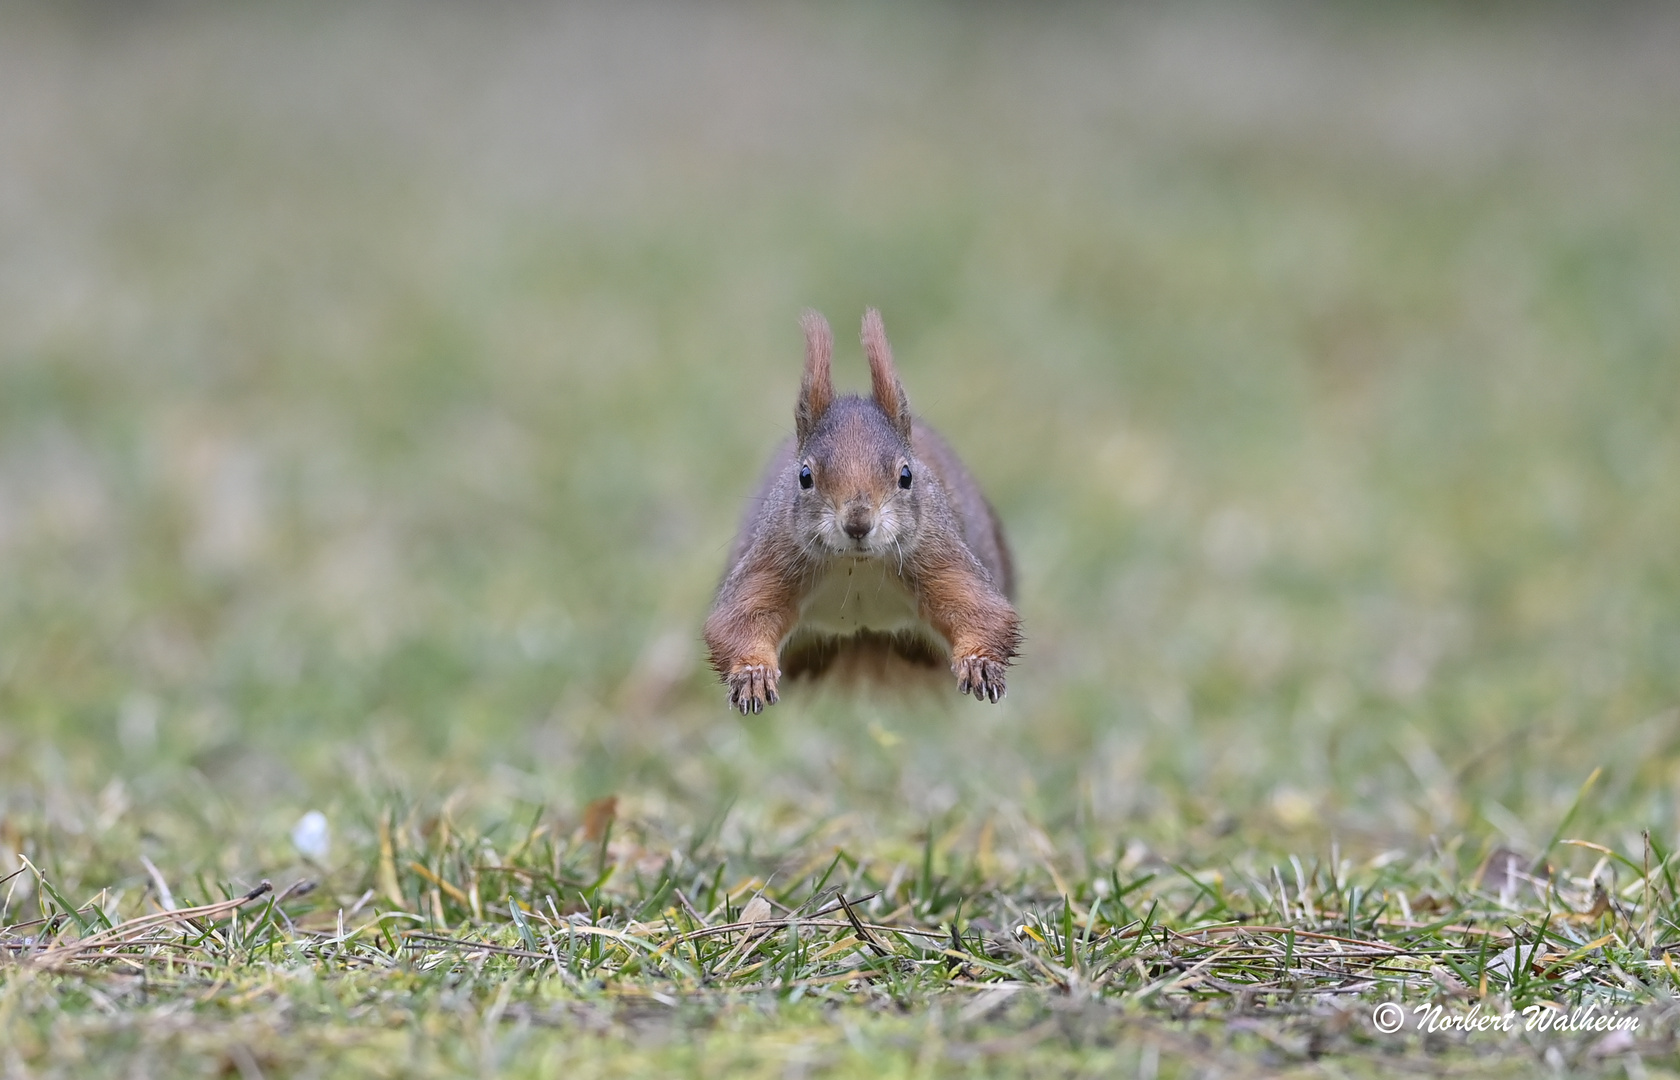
(904, 478)
(805, 480)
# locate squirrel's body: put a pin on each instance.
(868, 540)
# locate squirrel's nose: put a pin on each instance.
(858, 526)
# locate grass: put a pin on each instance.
(379, 391)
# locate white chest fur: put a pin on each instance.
(859, 594)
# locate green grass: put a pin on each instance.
(379, 392)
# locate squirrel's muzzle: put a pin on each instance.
(858, 523)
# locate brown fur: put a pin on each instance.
(883, 379)
(937, 545)
(816, 390)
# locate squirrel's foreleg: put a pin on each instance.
(980, 624)
(755, 610)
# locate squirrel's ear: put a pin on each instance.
(816, 390)
(889, 392)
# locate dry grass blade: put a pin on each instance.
(126, 932)
(1246, 929)
(862, 931)
(417, 940)
(783, 924)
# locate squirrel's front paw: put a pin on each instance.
(752, 687)
(979, 675)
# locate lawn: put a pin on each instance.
(380, 389)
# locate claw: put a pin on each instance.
(752, 688)
(981, 677)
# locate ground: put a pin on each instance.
(380, 389)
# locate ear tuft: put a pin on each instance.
(883, 378)
(816, 390)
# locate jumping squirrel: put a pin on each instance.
(867, 541)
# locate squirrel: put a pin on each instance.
(867, 539)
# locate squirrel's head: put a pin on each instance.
(857, 484)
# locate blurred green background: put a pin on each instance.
(380, 388)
